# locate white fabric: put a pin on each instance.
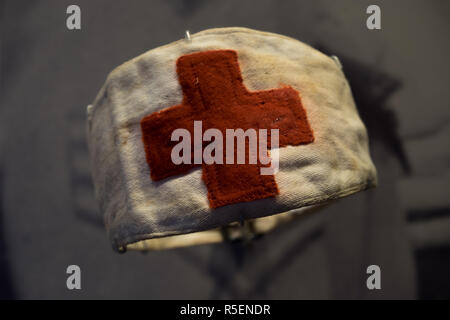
(135, 208)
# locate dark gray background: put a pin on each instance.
(48, 216)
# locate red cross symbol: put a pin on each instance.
(213, 92)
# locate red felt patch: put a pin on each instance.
(214, 93)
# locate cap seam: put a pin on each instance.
(306, 202)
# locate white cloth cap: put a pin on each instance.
(140, 213)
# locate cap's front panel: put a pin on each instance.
(335, 164)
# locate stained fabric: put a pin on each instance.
(175, 208)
